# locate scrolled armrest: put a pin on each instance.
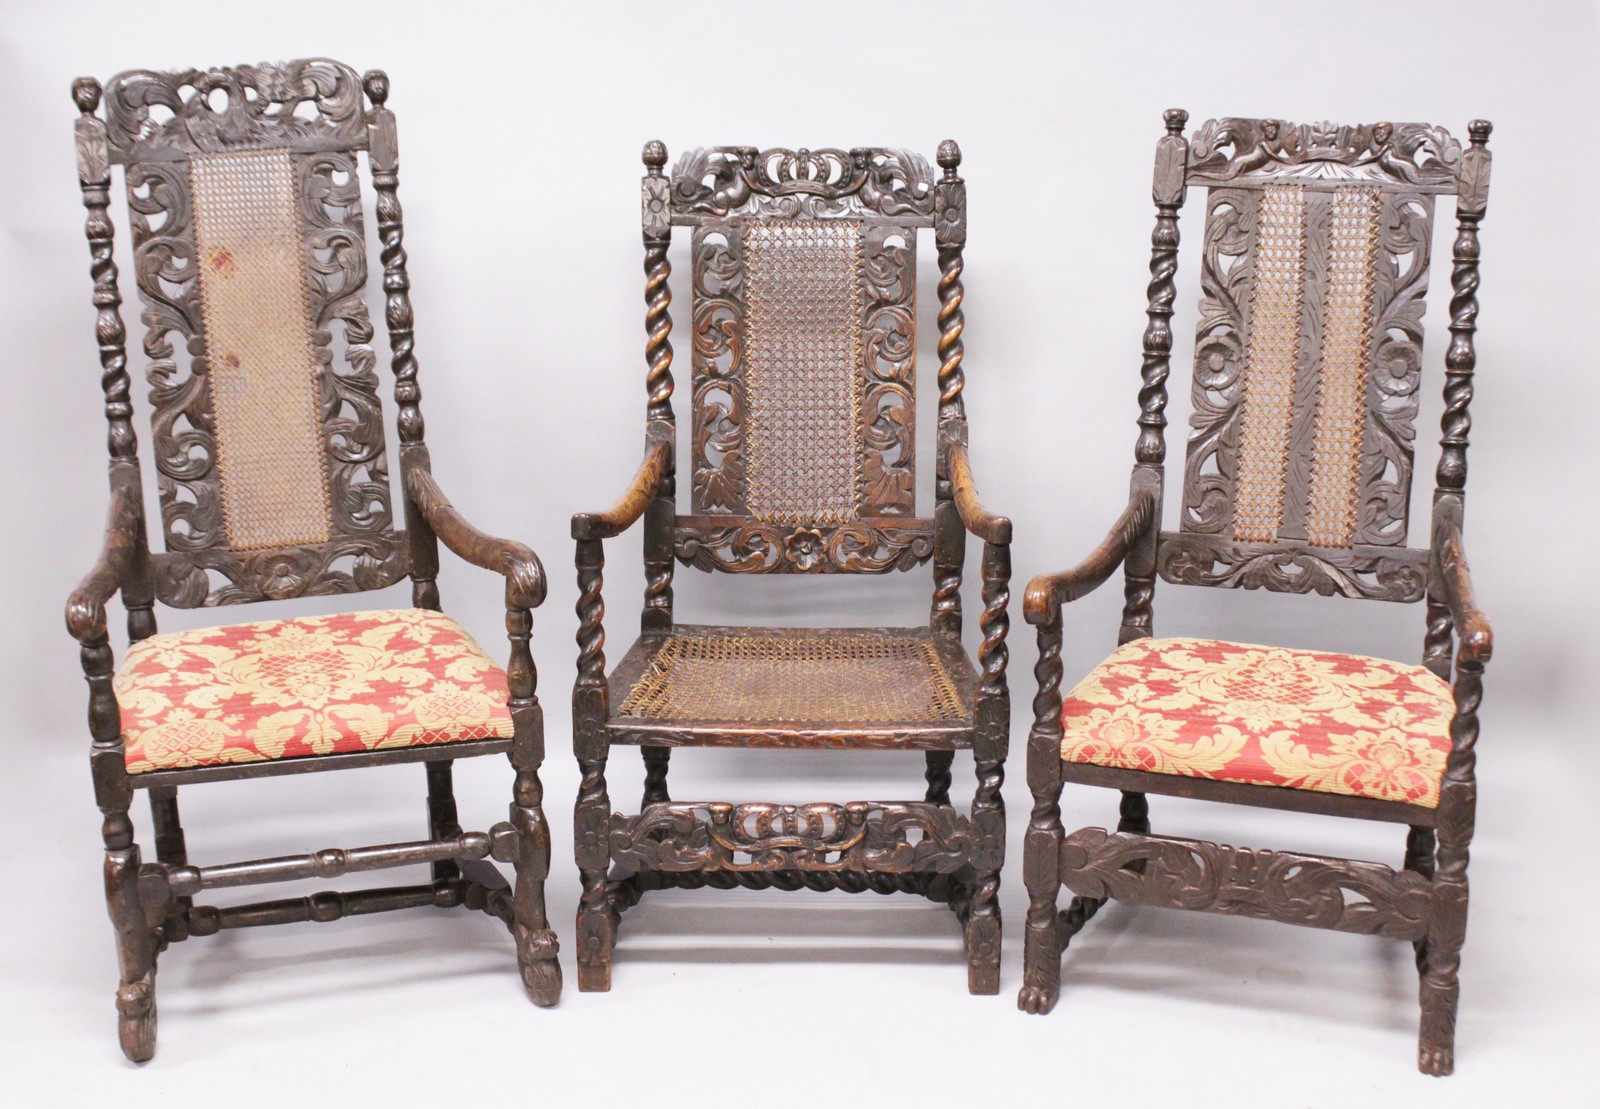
(86, 607)
(1048, 592)
(974, 517)
(516, 562)
(1474, 636)
(640, 492)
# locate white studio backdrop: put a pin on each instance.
(520, 130)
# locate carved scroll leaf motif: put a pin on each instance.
(1230, 149)
(1294, 889)
(210, 111)
(894, 837)
(1227, 272)
(199, 568)
(1392, 398)
(768, 548)
(719, 412)
(727, 180)
(1291, 569)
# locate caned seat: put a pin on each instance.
(802, 373)
(321, 685)
(905, 687)
(1236, 712)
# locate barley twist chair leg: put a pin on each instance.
(656, 760)
(938, 776)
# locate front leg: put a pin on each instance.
(537, 948)
(1041, 849)
(988, 808)
(597, 924)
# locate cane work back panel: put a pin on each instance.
(804, 360)
(250, 259)
(1313, 277)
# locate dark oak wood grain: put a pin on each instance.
(1298, 182)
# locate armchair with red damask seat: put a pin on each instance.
(1314, 265)
(269, 447)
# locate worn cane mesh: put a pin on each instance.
(803, 370)
(1271, 355)
(823, 679)
(1339, 426)
(262, 367)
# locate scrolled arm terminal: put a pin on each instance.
(1474, 636)
(1046, 593)
(516, 562)
(86, 607)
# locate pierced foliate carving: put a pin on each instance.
(1233, 150)
(859, 547)
(1307, 361)
(234, 108)
(730, 180)
(1340, 894)
(804, 358)
(886, 837)
(219, 117)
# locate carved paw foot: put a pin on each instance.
(136, 1018)
(1037, 999)
(594, 977)
(541, 971)
(1436, 1060)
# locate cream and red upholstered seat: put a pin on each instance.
(320, 685)
(1237, 712)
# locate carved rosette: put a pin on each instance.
(158, 122)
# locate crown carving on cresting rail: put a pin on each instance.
(1230, 149)
(720, 180)
(152, 115)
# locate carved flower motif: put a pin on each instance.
(805, 548)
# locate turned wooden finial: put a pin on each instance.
(949, 157)
(376, 84)
(86, 94)
(1480, 129)
(654, 156)
(1177, 119)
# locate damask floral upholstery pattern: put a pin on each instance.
(322, 685)
(1236, 712)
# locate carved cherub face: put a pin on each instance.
(1269, 130)
(1381, 133)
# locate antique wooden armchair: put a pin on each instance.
(804, 295)
(1314, 267)
(269, 450)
